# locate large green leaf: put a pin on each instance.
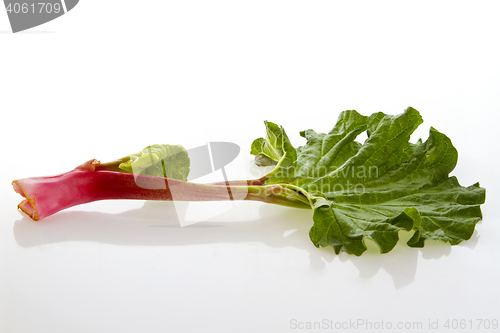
(375, 189)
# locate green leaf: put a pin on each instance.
(376, 189)
(277, 147)
(170, 161)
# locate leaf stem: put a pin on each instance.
(45, 196)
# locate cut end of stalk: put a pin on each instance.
(29, 209)
(27, 206)
(89, 165)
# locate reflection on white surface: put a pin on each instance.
(156, 224)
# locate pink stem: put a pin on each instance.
(253, 182)
(91, 181)
(48, 195)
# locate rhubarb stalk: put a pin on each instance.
(91, 181)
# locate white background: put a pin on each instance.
(111, 77)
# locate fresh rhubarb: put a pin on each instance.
(357, 191)
(45, 196)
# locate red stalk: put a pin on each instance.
(89, 182)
